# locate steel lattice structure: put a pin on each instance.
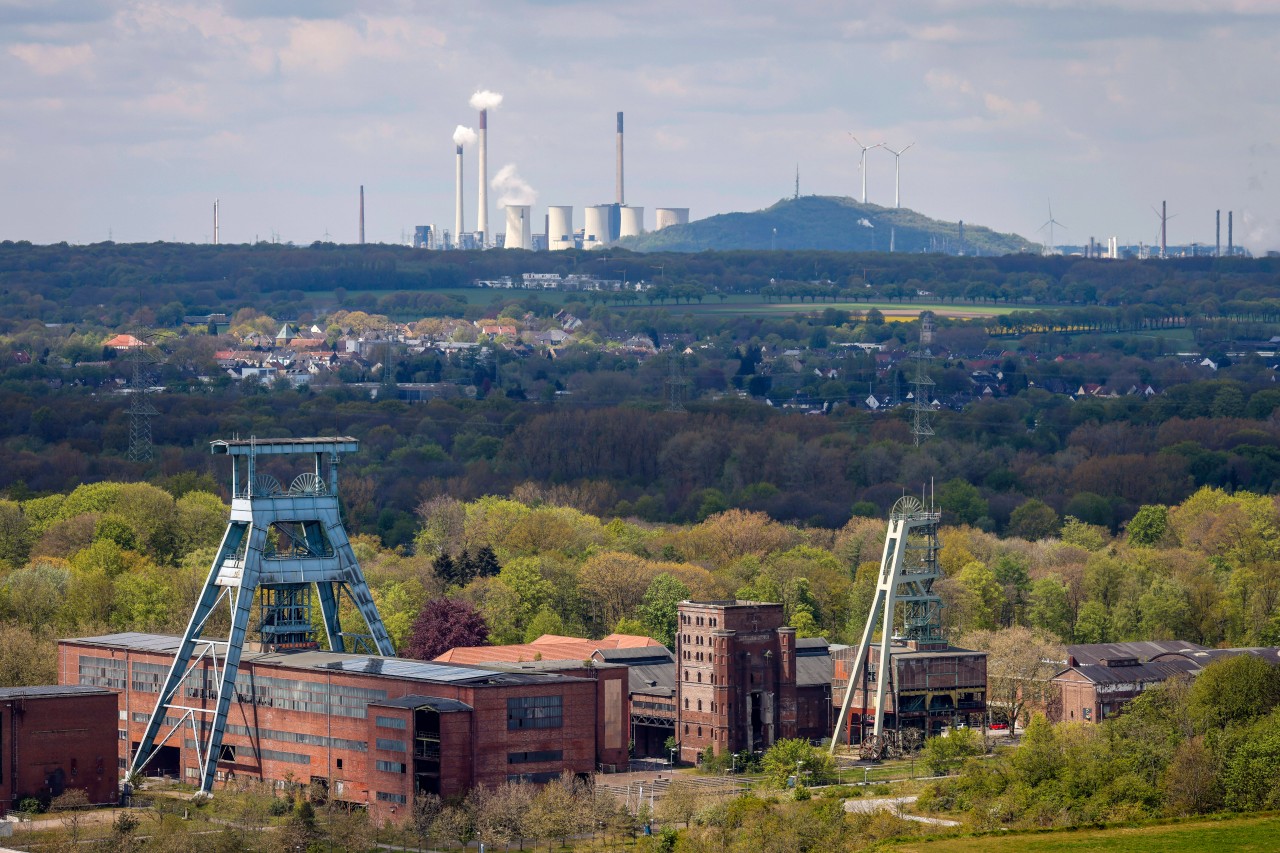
(908, 569)
(279, 543)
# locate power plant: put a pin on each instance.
(603, 224)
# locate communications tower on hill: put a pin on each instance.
(279, 544)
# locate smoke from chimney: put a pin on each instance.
(513, 190)
(485, 100)
(621, 197)
(463, 135)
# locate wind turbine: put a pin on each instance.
(862, 162)
(1052, 222)
(896, 156)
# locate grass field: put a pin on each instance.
(1253, 834)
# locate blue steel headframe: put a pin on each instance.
(305, 517)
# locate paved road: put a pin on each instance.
(894, 804)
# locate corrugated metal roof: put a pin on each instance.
(50, 691)
(430, 671)
(1143, 650)
(813, 670)
(1142, 673)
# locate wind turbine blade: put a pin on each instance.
(908, 146)
(856, 142)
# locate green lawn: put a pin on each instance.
(1237, 834)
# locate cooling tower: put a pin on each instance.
(482, 214)
(519, 228)
(560, 227)
(595, 231)
(668, 216)
(632, 222)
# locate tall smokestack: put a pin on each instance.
(215, 222)
(621, 197)
(457, 203)
(1217, 234)
(482, 214)
(1231, 243)
(362, 214)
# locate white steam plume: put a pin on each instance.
(513, 189)
(865, 223)
(485, 100)
(464, 136)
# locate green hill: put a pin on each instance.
(827, 223)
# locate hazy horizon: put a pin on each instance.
(128, 119)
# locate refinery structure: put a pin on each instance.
(601, 224)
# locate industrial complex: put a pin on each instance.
(602, 224)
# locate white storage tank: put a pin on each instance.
(560, 227)
(665, 217)
(595, 231)
(632, 221)
(519, 229)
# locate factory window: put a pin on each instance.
(384, 797)
(699, 731)
(339, 763)
(535, 712)
(686, 675)
(535, 756)
(288, 757)
(102, 672)
(699, 678)
(389, 766)
(686, 703)
(713, 707)
(535, 778)
(390, 744)
(699, 704)
(148, 677)
(122, 734)
(391, 722)
(686, 728)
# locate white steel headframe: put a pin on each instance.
(916, 581)
(309, 546)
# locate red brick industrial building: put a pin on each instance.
(54, 739)
(738, 684)
(372, 730)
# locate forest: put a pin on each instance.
(132, 556)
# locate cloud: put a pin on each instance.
(946, 82)
(1007, 108)
(50, 59)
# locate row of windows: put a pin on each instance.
(290, 757)
(535, 756)
(309, 696)
(686, 705)
(391, 722)
(148, 677)
(391, 744)
(712, 677)
(102, 672)
(536, 778)
(390, 766)
(384, 797)
(535, 712)
(298, 737)
(709, 621)
(140, 717)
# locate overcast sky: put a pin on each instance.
(128, 119)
